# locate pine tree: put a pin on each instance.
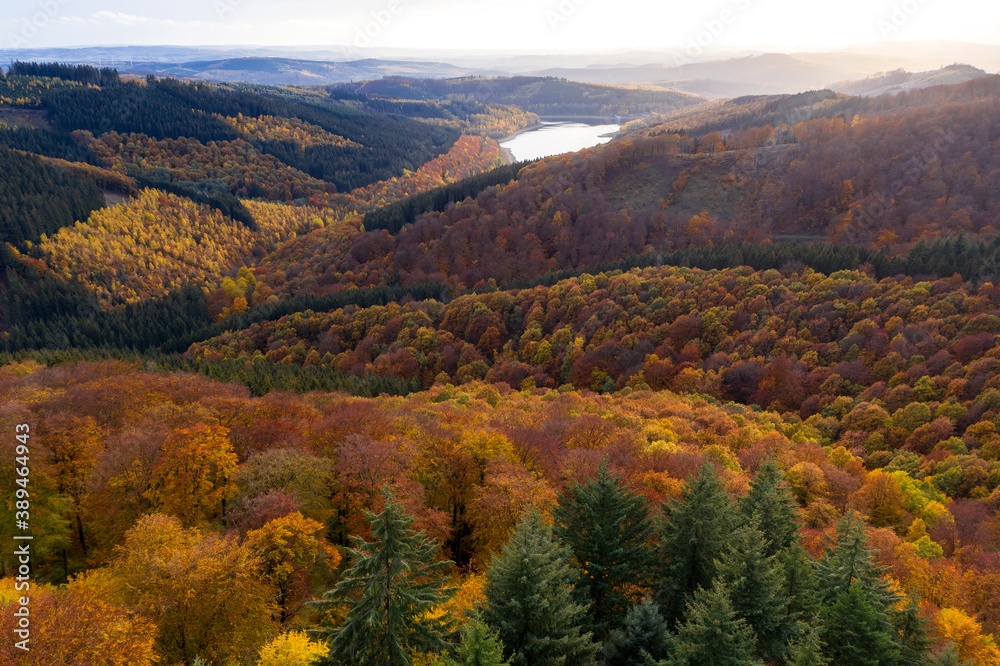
(712, 633)
(756, 585)
(480, 646)
(607, 527)
(391, 584)
(529, 600)
(855, 632)
(694, 536)
(773, 506)
(807, 649)
(644, 633)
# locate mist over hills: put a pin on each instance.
(288, 71)
(712, 73)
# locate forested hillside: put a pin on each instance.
(311, 376)
(877, 173)
(544, 96)
(292, 477)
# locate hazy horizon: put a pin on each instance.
(498, 27)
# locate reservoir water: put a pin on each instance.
(557, 137)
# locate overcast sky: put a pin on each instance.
(522, 25)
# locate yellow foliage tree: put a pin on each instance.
(192, 474)
(73, 626)
(288, 547)
(293, 648)
(957, 627)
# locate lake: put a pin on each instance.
(557, 137)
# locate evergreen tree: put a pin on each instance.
(808, 648)
(712, 633)
(694, 535)
(800, 583)
(850, 560)
(911, 635)
(855, 633)
(607, 527)
(480, 646)
(773, 506)
(391, 584)
(529, 600)
(756, 585)
(644, 634)
(848, 570)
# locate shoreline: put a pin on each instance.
(529, 128)
(508, 156)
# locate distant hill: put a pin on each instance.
(541, 95)
(289, 71)
(899, 80)
(750, 75)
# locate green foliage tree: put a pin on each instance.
(480, 646)
(800, 583)
(607, 527)
(389, 587)
(694, 535)
(859, 606)
(712, 633)
(855, 631)
(644, 634)
(773, 506)
(808, 648)
(911, 635)
(756, 585)
(850, 560)
(529, 600)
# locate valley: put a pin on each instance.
(679, 356)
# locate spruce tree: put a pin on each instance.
(773, 506)
(756, 585)
(694, 535)
(607, 528)
(391, 584)
(911, 635)
(850, 560)
(808, 648)
(846, 572)
(643, 634)
(712, 633)
(480, 646)
(529, 600)
(800, 583)
(855, 633)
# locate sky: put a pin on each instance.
(514, 25)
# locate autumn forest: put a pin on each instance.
(320, 375)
